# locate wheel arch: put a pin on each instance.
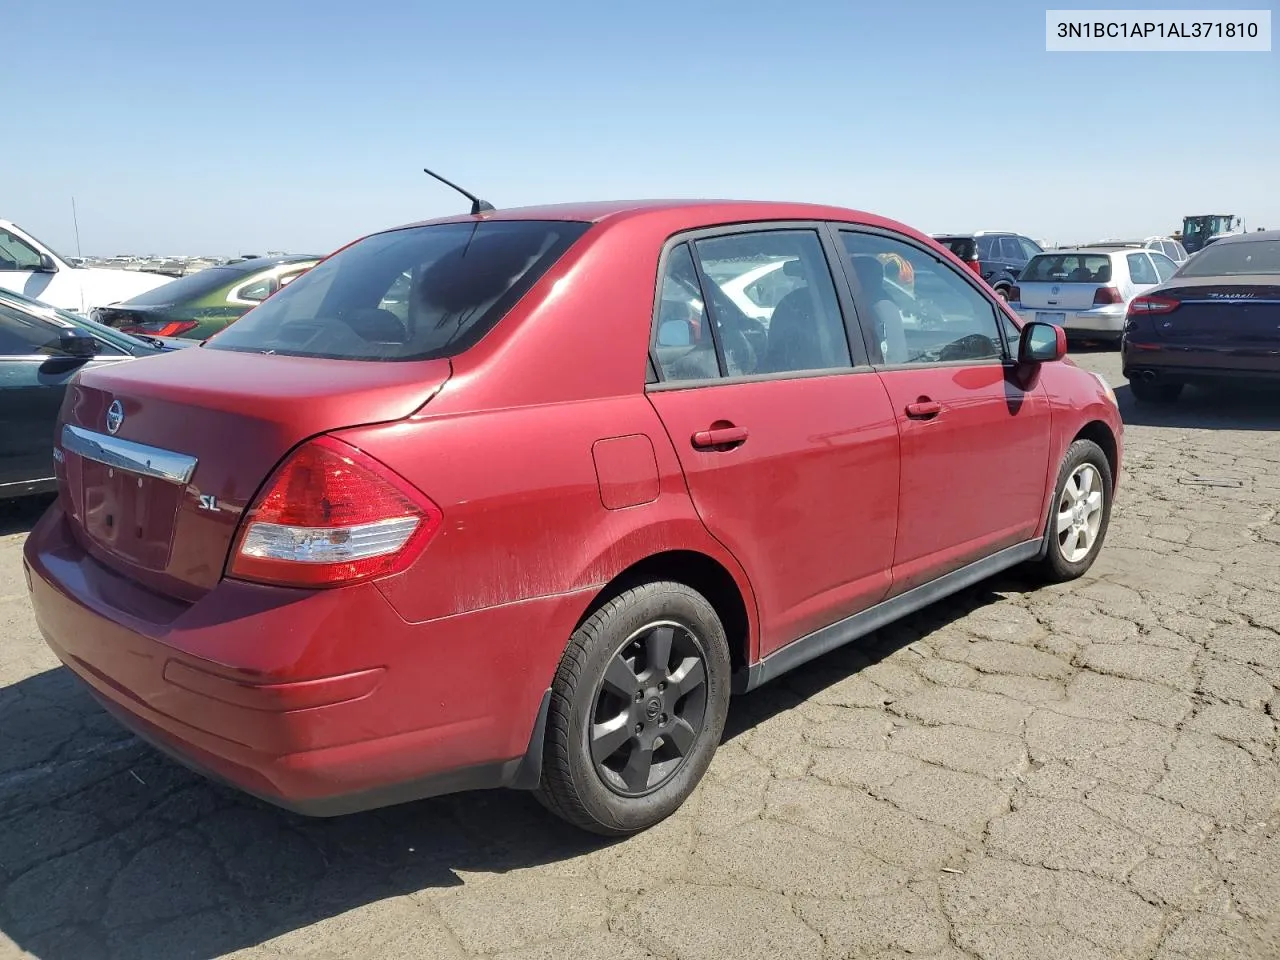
(1101, 434)
(700, 572)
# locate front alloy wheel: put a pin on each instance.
(1080, 514)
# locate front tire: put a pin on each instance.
(1080, 514)
(1145, 392)
(638, 707)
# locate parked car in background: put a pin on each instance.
(1216, 321)
(199, 305)
(30, 267)
(343, 559)
(996, 257)
(1169, 247)
(41, 349)
(1085, 290)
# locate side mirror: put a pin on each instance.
(47, 264)
(1041, 343)
(74, 342)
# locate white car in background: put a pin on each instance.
(1167, 245)
(757, 291)
(1087, 290)
(31, 268)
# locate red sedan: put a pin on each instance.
(518, 498)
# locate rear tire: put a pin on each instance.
(638, 707)
(1080, 513)
(1003, 293)
(1145, 392)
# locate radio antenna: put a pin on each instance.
(477, 205)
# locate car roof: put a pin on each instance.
(682, 214)
(1245, 237)
(978, 233)
(261, 263)
(1091, 251)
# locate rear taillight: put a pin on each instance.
(975, 265)
(1105, 295)
(331, 515)
(1015, 294)
(1144, 306)
(166, 328)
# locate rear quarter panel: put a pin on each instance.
(506, 447)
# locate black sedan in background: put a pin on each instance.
(41, 349)
(1216, 320)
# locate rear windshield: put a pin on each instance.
(412, 294)
(962, 247)
(1067, 268)
(191, 287)
(1235, 259)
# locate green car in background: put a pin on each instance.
(197, 306)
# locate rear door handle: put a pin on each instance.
(720, 437)
(924, 409)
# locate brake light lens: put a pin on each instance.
(329, 516)
(167, 328)
(1145, 306)
(975, 265)
(1015, 295)
(1106, 295)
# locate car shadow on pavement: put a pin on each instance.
(21, 514)
(111, 850)
(1249, 407)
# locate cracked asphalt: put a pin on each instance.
(1084, 771)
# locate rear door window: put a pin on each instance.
(1164, 266)
(708, 325)
(1010, 249)
(458, 281)
(1141, 270)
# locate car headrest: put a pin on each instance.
(870, 271)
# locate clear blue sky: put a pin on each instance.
(185, 127)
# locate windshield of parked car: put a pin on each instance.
(357, 305)
(1067, 268)
(1238, 258)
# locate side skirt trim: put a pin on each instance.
(873, 618)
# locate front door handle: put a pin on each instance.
(721, 438)
(924, 409)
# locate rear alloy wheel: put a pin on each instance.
(1003, 293)
(637, 709)
(1081, 512)
(1145, 391)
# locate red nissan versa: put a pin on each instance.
(517, 498)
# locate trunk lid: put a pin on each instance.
(1058, 296)
(1240, 310)
(1064, 281)
(138, 502)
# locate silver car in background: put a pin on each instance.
(1086, 290)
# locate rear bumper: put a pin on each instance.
(1199, 362)
(1106, 322)
(323, 702)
